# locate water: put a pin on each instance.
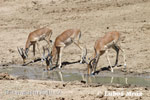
(63, 75)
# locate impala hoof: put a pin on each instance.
(112, 70)
(45, 70)
(125, 65)
(81, 62)
(24, 64)
(43, 59)
(59, 67)
(93, 73)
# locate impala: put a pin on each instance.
(63, 40)
(33, 40)
(109, 40)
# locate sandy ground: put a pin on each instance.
(94, 17)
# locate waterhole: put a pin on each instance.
(37, 73)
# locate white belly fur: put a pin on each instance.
(68, 41)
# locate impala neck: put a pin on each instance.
(54, 52)
(27, 47)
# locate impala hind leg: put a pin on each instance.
(38, 47)
(33, 51)
(107, 55)
(42, 56)
(81, 49)
(124, 56)
(117, 54)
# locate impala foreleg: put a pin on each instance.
(60, 55)
(38, 47)
(33, 49)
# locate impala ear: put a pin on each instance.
(25, 52)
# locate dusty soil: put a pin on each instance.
(50, 90)
(94, 17)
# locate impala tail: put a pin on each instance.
(22, 54)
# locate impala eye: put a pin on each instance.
(50, 41)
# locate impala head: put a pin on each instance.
(23, 53)
(49, 60)
(90, 64)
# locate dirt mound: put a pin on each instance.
(6, 76)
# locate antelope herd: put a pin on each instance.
(102, 44)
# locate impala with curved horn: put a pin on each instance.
(33, 39)
(109, 40)
(63, 40)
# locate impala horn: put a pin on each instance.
(21, 52)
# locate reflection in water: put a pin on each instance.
(106, 80)
(119, 80)
(58, 75)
